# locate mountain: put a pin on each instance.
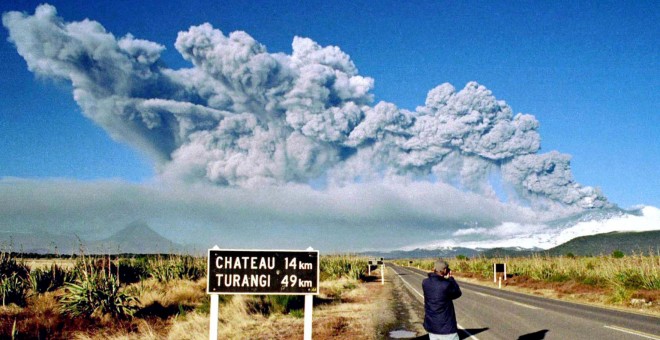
(136, 238)
(600, 244)
(627, 242)
(445, 252)
(510, 252)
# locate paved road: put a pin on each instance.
(485, 313)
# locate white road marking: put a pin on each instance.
(634, 332)
(470, 336)
(514, 302)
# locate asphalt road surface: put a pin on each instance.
(489, 313)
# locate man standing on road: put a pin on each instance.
(440, 289)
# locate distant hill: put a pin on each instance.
(509, 252)
(446, 252)
(136, 238)
(627, 242)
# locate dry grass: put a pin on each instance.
(178, 309)
(173, 293)
(602, 280)
(46, 263)
(357, 314)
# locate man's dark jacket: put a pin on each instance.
(439, 292)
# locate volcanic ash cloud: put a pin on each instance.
(244, 117)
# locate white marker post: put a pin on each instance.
(382, 271)
(215, 312)
(494, 273)
(309, 307)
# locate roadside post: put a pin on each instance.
(382, 270)
(499, 271)
(262, 272)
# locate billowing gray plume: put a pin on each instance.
(243, 117)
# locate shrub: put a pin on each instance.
(13, 276)
(96, 295)
(133, 270)
(618, 254)
(335, 267)
(179, 267)
(42, 280)
(13, 290)
(9, 267)
(284, 303)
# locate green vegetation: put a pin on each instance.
(177, 267)
(120, 292)
(335, 267)
(96, 296)
(621, 276)
(48, 280)
(13, 276)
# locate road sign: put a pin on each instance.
(499, 270)
(289, 272)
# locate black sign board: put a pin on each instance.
(499, 267)
(288, 272)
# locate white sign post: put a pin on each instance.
(309, 306)
(382, 270)
(262, 272)
(215, 311)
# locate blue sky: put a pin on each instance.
(588, 71)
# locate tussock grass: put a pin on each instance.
(164, 297)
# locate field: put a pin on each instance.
(156, 297)
(631, 282)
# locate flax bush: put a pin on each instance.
(13, 280)
(13, 290)
(96, 295)
(47, 280)
(96, 291)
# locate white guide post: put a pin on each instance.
(494, 273)
(215, 311)
(213, 327)
(382, 273)
(504, 271)
(309, 307)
